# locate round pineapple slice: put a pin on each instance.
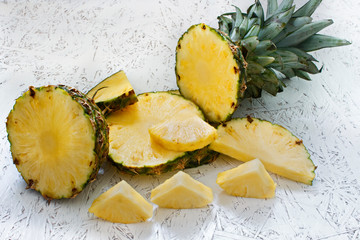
(58, 140)
(131, 147)
(113, 93)
(183, 134)
(122, 204)
(208, 73)
(181, 191)
(280, 151)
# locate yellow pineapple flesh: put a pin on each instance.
(183, 134)
(122, 204)
(181, 191)
(250, 180)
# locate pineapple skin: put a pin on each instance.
(188, 160)
(117, 103)
(98, 124)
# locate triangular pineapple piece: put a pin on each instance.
(183, 134)
(122, 204)
(113, 93)
(247, 180)
(280, 151)
(181, 191)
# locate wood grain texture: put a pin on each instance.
(79, 43)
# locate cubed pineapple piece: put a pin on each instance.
(122, 204)
(181, 191)
(183, 134)
(247, 180)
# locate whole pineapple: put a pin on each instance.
(247, 54)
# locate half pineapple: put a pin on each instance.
(280, 151)
(247, 54)
(113, 93)
(131, 147)
(58, 140)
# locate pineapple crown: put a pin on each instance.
(275, 47)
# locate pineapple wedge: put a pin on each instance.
(181, 191)
(247, 180)
(113, 93)
(183, 134)
(122, 204)
(280, 151)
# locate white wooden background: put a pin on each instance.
(78, 43)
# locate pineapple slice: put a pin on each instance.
(280, 151)
(131, 147)
(183, 134)
(113, 93)
(247, 180)
(181, 191)
(207, 72)
(122, 204)
(58, 140)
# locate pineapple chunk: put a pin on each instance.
(247, 180)
(183, 134)
(181, 191)
(113, 93)
(280, 151)
(122, 204)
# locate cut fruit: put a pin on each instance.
(181, 191)
(58, 140)
(280, 151)
(183, 134)
(247, 180)
(131, 147)
(207, 72)
(113, 93)
(122, 204)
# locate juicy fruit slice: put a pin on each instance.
(58, 140)
(113, 93)
(183, 134)
(280, 151)
(247, 180)
(207, 72)
(131, 147)
(181, 191)
(122, 204)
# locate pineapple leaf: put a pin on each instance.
(250, 43)
(285, 5)
(262, 60)
(275, 26)
(293, 25)
(303, 33)
(302, 74)
(307, 9)
(254, 31)
(272, 6)
(319, 41)
(265, 48)
(238, 17)
(224, 24)
(300, 53)
(243, 27)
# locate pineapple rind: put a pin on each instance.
(111, 105)
(100, 137)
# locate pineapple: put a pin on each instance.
(249, 180)
(131, 147)
(113, 93)
(58, 140)
(183, 134)
(122, 204)
(247, 54)
(181, 191)
(280, 151)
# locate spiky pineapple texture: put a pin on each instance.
(275, 47)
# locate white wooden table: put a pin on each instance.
(79, 43)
